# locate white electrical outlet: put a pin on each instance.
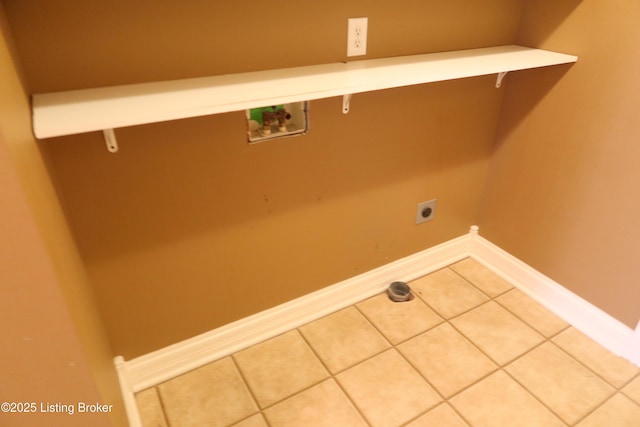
(426, 211)
(357, 36)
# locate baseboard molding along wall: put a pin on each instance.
(581, 314)
(161, 365)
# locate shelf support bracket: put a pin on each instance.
(500, 77)
(346, 103)
(110, 140)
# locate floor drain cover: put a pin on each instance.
(399, 291)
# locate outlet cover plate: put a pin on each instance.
(426, 211)
(357, 36)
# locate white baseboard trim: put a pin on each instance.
(161, 365)
(581, 314)
(153, 368)
(632, 353)
(128, 395)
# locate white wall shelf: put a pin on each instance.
(88, 110)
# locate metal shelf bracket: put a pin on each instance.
(500, 77)
(346, 103)
(110, 140)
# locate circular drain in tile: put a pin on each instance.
(399, 292)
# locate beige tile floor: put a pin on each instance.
(467, 350)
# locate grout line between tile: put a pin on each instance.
(629, 382)
(456, 315)
(498, 367)
(459, 413)
(527, 323)
(530, 393)
(251, 416)
(444, 400)
(595, 409)
(621, 391)
(501, 366)
(162, 406)
(322, 362)
(370, 322)
(391, 347)
(395, 347)
(469, 281)
(547, 339)
(351, 402)
(333, 376)
(616, 388)
(251, 392)
(448, 321)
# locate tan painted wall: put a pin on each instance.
(187, 228)
(564, 189)
(42, 359)
(55, 348)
